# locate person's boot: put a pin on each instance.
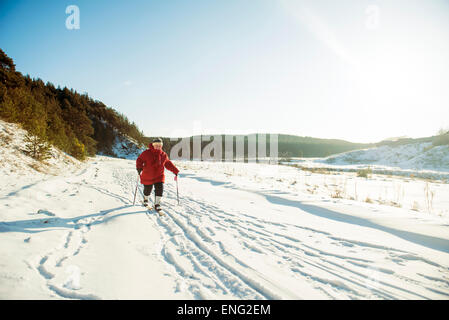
(157, 204)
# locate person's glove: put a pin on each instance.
(176, 177)
(139, 170)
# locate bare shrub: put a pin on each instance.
(415, 206)
(429, 194)
(364, 173)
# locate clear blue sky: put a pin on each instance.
(361, 70)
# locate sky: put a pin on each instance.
(359, 70)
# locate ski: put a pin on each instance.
(159, 210)
(151, 208)
(161, 214)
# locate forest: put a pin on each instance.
(72, 122)
(288, 146)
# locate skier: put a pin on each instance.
(150, 166)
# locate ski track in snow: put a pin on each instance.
(214, 253)
(57, 276)
(347, 273)
(187, 239)
(51, 266)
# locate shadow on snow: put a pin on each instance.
(54, 223)
(420, 239)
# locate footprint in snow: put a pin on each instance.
(46, 212)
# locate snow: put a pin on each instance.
(408, 156)
(14, 162)
(415, 159)
(125, 147)
(240, 231)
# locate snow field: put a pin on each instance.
(319, 252)
(241, 231)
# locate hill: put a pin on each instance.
(288, 145)
(413, 156)
(15, 162)
(427, 160)
(62, 117)
(291, 146)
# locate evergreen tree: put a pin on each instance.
(36, 147)
(73, 122)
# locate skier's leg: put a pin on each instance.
(158, 191)
(146, 192)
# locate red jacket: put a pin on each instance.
(153, 162)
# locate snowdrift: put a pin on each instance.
(421, 160)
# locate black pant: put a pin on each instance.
(158, 189)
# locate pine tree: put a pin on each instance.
(78, 149)
(36, 147)
(62, 117)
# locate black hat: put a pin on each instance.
(157, 140)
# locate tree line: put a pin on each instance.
(287, 145)
(73, 122)
(291, 146)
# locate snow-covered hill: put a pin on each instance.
(417, 156)
(126, 148)
(68, 230)
(241, 231)
(417, 159)
(14, 162)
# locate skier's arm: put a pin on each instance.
(170, 166)
(139, 164)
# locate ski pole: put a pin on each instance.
(135, 191)
(177, 192)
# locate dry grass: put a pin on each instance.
(337, 194)
(364, 173)
(37, 166)
(313, 169)
(5, 139)
(429, 195)
(415, 206)
(369, 200)
(390, 203)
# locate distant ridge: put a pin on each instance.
(288, 145)
(291, 146)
